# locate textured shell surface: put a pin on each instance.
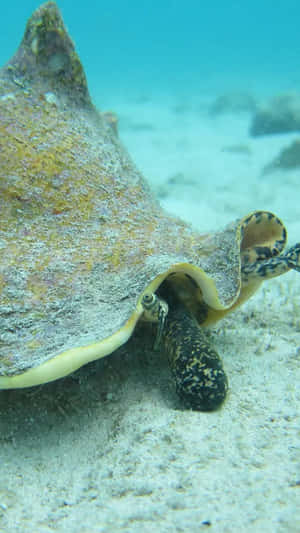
(81, 235)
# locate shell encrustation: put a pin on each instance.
(81, 236)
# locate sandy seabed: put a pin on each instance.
(110, 448)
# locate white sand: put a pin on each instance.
(110, 449)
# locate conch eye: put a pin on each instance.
(148, 299)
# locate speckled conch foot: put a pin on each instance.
(197, 368)
(292, 257)
(275, 266)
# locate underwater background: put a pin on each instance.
(172, 44)
(208, 102)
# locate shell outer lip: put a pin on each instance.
(68, 361)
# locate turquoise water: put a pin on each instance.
(172, 44)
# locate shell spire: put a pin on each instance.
(47, 60)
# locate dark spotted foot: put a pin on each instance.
(293, 257)
(275, 266)
(198, 370)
